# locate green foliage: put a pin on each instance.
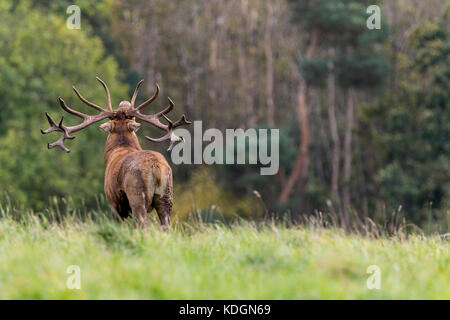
(204, 261)
(40, 60)
(202, 194)
(411, 130)
(212, 58)
(245, 179)
(395, 184)
(315, 71)
(360, 70)
(356, 56)
(340, 21)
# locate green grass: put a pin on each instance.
(213, 261)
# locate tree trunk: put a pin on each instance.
(212, 67)
(301, 162)
(335, 157)
(394, 48)
(209, 113)
(245, 68)
(269, 66)
(348, 154)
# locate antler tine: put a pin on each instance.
(170, 135)
(155, 95)
(63, 105)
(163, 138)
(170, 123)
(133, 98)
(60, 143)
(154, 118)
(166, 110)
(53, 125)
(108, 95)
(93, 105)
(66, 131)
(57, 127)
(181, 122)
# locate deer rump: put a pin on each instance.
(139, 182)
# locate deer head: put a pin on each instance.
(125, 113)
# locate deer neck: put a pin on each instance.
(119, 145)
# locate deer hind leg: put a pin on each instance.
(139, 208)
(138, 198)
(122, 206)
(163, 206)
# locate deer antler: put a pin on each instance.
(170, 135)
(87, 119)
(154, 118)
(133, 99)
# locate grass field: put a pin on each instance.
(213, 261)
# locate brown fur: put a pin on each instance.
(136, 180)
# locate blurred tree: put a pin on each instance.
(40, 60)
(411, 128)
(240, 63)
(348, 52)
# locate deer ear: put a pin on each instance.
(133, 126)
(107, 126)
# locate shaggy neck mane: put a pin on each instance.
(121, 140)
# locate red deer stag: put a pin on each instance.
(136, 180)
